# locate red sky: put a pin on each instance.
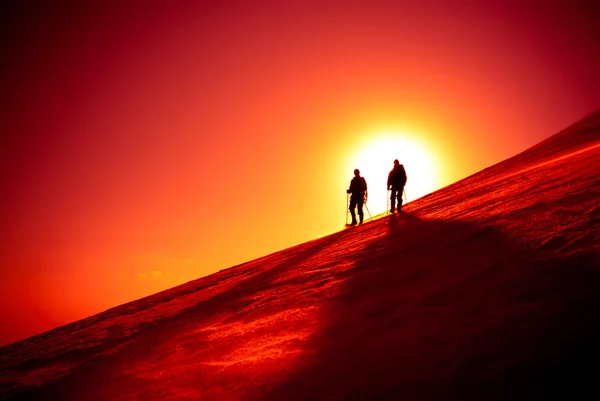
(145, 146)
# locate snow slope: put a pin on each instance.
(488, 289)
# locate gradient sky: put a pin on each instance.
(144, 146)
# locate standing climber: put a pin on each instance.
(358, 189)
(396, 182)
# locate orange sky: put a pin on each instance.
(148, 146)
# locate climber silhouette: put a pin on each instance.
(396, 182)
(358, 190)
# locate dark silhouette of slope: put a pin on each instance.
(492, 323)
(487, 290)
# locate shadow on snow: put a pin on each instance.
(452, 310)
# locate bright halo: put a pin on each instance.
(376, 158)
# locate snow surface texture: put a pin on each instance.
(488, 289)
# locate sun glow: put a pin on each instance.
(375, 158)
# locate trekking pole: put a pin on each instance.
(347, 206)
(405, 200)
(387, 202)
(370, 217)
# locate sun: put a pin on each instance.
(375, 158)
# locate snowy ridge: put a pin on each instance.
(487, 290)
